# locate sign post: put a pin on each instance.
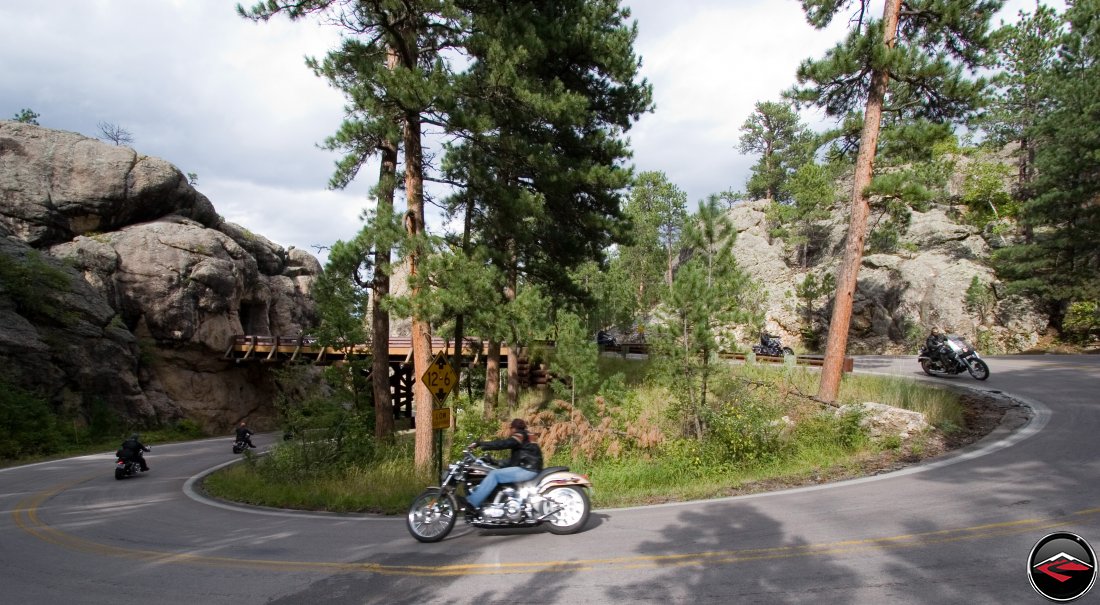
(440, 378)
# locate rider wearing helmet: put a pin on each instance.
(935, 344)
(132, 449)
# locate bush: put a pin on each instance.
(743, 434)
(1082, 321)
(27, 425)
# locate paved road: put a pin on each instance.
(957, 530)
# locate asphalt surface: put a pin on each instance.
(958, 529)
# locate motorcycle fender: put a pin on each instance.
(563, 478)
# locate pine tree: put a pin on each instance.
(709, 295)
(551, 89)
(784, 143)
(418, 36)
(1059, 264)
(657, 209)
(1025, 53)
(907, 66)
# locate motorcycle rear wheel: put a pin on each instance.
(432, 515)
(573, 505)
(977, 368)
(120, 474)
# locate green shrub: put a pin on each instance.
(27, 425)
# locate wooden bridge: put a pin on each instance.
(307, 349)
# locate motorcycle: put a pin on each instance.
(771, 346)
(239, 446)
(955, 356)
(126, 468)
(555, 496)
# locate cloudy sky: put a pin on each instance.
(232, 101)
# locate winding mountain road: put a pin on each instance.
(958, 529)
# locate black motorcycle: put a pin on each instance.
(239, 446)
(771, 346)
(954, 356)
(605, 339)
(555, 496)
(126, 467)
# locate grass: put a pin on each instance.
(821, 447)
(386, 487)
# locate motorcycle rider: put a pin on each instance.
(132, 449)
(524, 464)
(244, 434)
(935, 344)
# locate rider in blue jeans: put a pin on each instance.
(524, 464)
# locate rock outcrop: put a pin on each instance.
(149, 285)
(899, 296)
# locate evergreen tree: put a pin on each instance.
(657, 210)
(27, 116)
(775, 132)
(1025, 53)
(418, 36)
(812, 194)
(550, 91)
(709, 295)
(908, 66)
(574, 358)
(1060, 263)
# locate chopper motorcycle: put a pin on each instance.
(556, 497)
(771, 346)
(956, 356)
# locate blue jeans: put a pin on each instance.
(508, 474)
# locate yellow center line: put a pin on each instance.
(26, 518)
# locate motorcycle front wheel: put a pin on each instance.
(573, 508)
(977, 368)
(432, 515)
(926, 365)
(788, 351)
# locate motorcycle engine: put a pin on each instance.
(506, 505)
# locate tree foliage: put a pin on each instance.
(1059, 262)
(784, 143)
(710, 295)
(27, 116)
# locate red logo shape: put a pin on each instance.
(1064, 563)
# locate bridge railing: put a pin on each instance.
(293, 348)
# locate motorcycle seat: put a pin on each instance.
(550, 470)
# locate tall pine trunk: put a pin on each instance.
(460, 320)
(837, 343)
(380, 318)
(513, 343)
(421, 330)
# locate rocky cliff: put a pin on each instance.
(899, 296)
(121, 285)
